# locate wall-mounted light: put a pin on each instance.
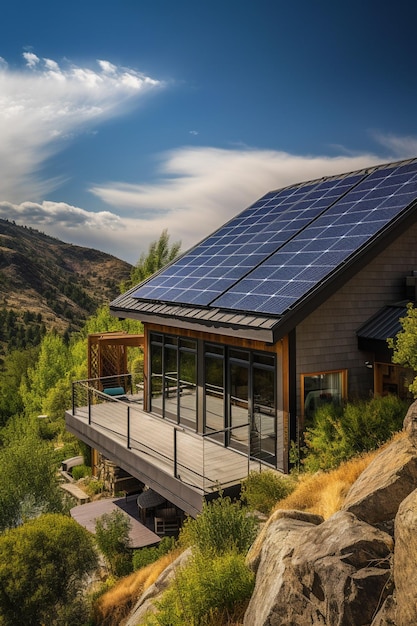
(369, 365)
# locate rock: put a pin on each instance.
(383, 485)
(405, 561)
(334, 573)
(145, 604)
(410, 423)
(254, 554)
(386, 615)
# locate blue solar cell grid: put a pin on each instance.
(296, 268)
(280, 248)
(244, 243)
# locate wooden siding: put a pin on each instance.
(326, 340)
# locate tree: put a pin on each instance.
(404, 344)
(112, 536)
(43, 565)
(52, 365)
(14, 368)
(159, 254)
(28, 475)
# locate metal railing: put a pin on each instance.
(201, 461)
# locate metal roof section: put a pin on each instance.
(266, 269)
(385, 324)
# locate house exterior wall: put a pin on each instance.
(326, 340)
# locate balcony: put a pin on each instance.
(184, 467)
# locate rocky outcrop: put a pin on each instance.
(405, 561)
(333, 573)
(383, 485)
(346, 571)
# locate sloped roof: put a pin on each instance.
(385, 324)
(270, 265)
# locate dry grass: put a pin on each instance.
(115, 605)
(323, 493)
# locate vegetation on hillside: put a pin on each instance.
(57, 289)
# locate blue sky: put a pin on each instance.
(121, 118)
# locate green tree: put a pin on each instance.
(112, 537)
(14, 368)
(52, 365)
(159, 254)
(28, 475)
(404, 344)
(43, 565)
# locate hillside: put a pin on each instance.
(49, 282)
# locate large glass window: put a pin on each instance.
(320, 389)
(239, 392)
(214, 384)
(240, 399)
(174, 378)
(264, 423)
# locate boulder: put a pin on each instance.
(386, 614)
(334, 573)
(405, 561)
(383, 485)
(254, 554)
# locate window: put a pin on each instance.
(174, 378)
(240, 399)
(322, 388)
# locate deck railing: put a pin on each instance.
(201, 461)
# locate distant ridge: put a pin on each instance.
(59, 282)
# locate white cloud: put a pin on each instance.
(199, 189)
(401, 147)
(45, 104)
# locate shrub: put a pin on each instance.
(81, 471)
(112, 537)
(42, 566)
(339, 433)
(146, 556)
(222, 526)
(94, 486)
(203, 590)
(262, 490)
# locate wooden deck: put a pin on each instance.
(196, 462)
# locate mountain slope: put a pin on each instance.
(60, 283)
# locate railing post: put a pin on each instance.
(89, 404)
(73, 398)
(204, 464)
(128, 427)
(175, 454)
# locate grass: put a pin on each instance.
(115, 605)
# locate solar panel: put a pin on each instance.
(227, 256)
(296, 268)
(280, 248)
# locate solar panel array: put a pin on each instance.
(276, 251)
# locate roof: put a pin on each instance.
(87, 514)
(385, 324)
(268, 267)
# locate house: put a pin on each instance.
(285, 307)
